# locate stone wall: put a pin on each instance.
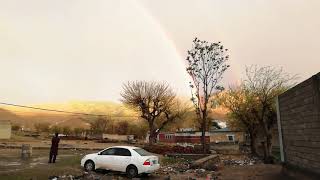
(299, 114)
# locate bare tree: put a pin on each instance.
(99, 125)
(66, 130)
(206, 63)
(265, 84)
(122, 127)
(42, 127)
(173, 115)
(152, 100)
(240, 104)
(78, 131)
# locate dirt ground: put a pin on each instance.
(68, 163)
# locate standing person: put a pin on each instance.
(54, 148)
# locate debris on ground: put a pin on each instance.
(207, 168)
(244, 161)
(89, 176)
(207, 163)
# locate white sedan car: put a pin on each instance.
(128, 159)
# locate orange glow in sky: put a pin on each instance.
(84, 50)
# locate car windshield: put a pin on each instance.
(142, 152)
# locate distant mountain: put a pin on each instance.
(28, 117)
(8, 115)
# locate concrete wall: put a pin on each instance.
(115, 137)
(226, 148)
(299, 115)
(5, 129)
(223, 136)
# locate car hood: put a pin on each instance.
(90, 155)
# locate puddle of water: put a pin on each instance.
(10, 164)
(37, 163)
(39, 159)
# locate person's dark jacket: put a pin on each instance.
(55, 144)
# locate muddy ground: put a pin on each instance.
(68, 165)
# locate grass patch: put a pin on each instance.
(67, 164)
(171, 160)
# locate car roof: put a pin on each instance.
(126, 147)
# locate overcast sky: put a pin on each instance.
(58, 50)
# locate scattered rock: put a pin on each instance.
(213, 151)
(206, 162)
(246, 161)
(53, 178)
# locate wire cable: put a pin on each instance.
(59, 111)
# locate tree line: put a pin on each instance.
(251, 104)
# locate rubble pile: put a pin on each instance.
(246, 161)
(179, 167)
(174, 168)
(176, 149)
(87, 176)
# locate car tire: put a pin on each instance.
(89, 165)
(132, 171)
(145, 175)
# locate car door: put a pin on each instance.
(106, 158)
(122, 159)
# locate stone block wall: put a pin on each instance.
(299, 110)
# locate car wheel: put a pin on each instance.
(89, 165)
(132, 171)
(145, 175)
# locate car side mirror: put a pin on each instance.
(99, 153)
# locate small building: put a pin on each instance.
(5, 129)
(166, 137)
(189, 137)
(192, 137)
(226, 135)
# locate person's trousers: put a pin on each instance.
(52, 158)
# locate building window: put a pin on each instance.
(230, 137)
(168, 136)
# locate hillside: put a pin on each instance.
(28, 117)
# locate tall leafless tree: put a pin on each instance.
(154, 101)
(265, 84)
(206, 63)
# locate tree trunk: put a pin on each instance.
(152, 135)
(203, 131)
(268, 149)
(203, 138)
(253, 141)
(267, 144)
(152, 138)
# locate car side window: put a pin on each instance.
(122, 152)
(111, 151)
